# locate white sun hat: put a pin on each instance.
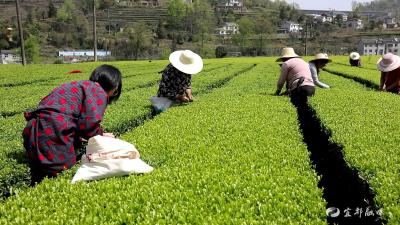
(287, 53)
(186, 61)
(354, 56)
(388, 62)
(321, 56)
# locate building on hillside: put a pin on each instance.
(389, 22)
(326, 18)
(355, 23)
(147, 3)
(379, 46)
(8, 57)
(82, 55)
(323, 18)
(234, 5)
(289, 27)
(228, 29)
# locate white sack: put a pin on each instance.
(161, 104)
(109, 157)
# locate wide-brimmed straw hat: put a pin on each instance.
(186, 61)
(322, 57)
(354, 56)
(287, 53)
(388, 62)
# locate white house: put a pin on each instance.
(325, 18)
(355, 24)
(8, 57)
(228, 29)
(289, 27)
(379, 46)
(389, 22)
(234, 3)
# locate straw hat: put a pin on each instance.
(388, 62)
(354, 56)
(287, 53)
(321, 56)
(186, 61)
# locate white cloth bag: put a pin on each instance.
(161, 104)
(109, 157)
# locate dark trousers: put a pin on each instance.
(299, 96)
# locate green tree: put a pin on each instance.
(203, 23)
(140, 39)
(52, 9)
(263, 25)
(32, 49)
(246, 28)
(176, 12)
(4, 44)
(29, 16)
(339, 20)
(66, 12)
(160, 31)
(230, 17)
(283, 13)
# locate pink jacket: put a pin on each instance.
(292, 70)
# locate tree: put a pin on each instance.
(4, 44)
(230, 17)
(29, 16)
(263, 26)
(32, 49)
(203, 23)
(246, 28)
(176, 12)
(52, 9)
(283, 13)
(161, 32)
(220, 52)
(66, 12)
(339, 20)
(140, 39)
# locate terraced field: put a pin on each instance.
(236, 155)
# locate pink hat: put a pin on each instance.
(388, 62)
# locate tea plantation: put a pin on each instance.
(236, 155)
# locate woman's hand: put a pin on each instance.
(109, 135)
(182, 98)
(189, 94)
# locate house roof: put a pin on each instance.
(6, 52)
